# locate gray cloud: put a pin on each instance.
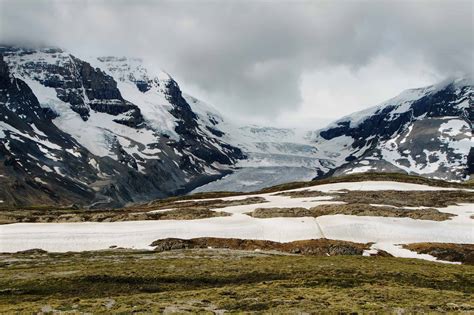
(248, 57)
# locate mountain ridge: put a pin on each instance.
(137, 136)
(132, 161)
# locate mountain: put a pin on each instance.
(426, 131)
(74, 133)
(108, 131)
(273, 155)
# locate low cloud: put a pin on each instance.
(256, 58)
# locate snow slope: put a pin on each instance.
(135, 136)
(425, 131)
(385, 232)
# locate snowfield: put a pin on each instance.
(374, 185)
(386, 233)
(140, 234)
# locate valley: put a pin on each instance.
(110, 131)
(236, 157)
(119, 191)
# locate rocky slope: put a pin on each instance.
(426, 131)
(107, 131)
(97, 138)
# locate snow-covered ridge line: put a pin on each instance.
(425, 131)
(402, 102)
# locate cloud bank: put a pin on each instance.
(282, 61)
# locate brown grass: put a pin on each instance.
(186, 210)
(441, 199)
(396, 177)
(445, 251)
(317, 247)
(351, 209)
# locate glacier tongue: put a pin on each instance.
(249, 178)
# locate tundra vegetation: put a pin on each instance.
(215, 280)
(215, 275)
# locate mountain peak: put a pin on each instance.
(164, 76)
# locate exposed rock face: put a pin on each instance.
(30, 174)
(422, 131)
(76, 82)
(95, 144)
(388, 119)
(189, 130)
(193, 135)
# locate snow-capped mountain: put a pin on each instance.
(426, 131)
(108, 131)
(105, 132)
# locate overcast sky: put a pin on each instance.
(287, 63)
